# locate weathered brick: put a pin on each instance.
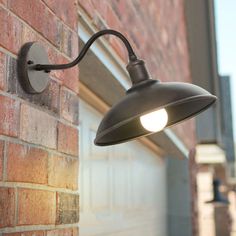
(29, 35)
(67, 208)
(63, 232)
(71, 79)
(74, 45)
(1, 158)
(26, 233)
(7, 207)
(36, 14)
(66, 35)
(67, 139)
(48, 99)
(37, 127)
(68, 78)
(36, 207)
(9, 116)
(69, 44)
(26, 164)
(2, 71)
(69, 106)
(11, 74)
(63, 172)
(10, 31)
(66, 10)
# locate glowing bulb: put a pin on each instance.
(154, 121)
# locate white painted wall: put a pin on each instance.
(122, 187)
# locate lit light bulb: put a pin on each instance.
(155, 121)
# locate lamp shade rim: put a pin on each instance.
(100, 135)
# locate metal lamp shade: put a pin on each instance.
(218, 199)
(181, 101)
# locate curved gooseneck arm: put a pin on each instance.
(131, 54)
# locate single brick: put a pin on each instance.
(49, 98)
(2, 71)
(67, 208)
(7, 207)
(63, 232)
(69, 106)
(67, 139)
(37, 127)
(74, 45)
(36, 14)
(26, 233)
(9, 116)
(63, 172)
(66, 36)
(66, 10)
(69, 42)
(1, 158)
(26, 164)
(11, 29)
(36, 207)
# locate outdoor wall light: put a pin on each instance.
(218, 199)
(149, 105)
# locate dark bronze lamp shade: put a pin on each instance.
(181, 101)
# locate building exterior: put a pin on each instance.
(53, 180)
(215, 154)
(218, 162)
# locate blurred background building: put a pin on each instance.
(215, 153)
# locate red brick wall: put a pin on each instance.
(38, 133)
(157, 31)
